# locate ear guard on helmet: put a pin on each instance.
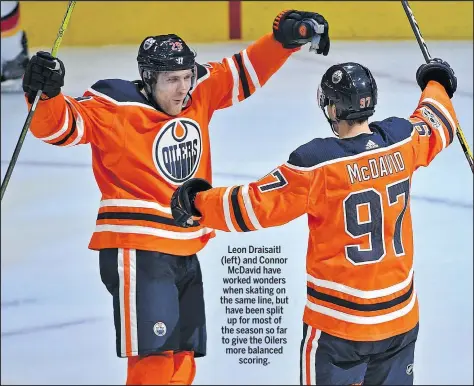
(323, 101)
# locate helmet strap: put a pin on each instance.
(193, 85)
(332, 123)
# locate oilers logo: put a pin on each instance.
(159, 328)
(177, 150)
(435, 122)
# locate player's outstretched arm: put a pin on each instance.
(434, 119)
(275, 199)
(61, 120)
(237, 77)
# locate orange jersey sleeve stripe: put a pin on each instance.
(217, 199)
(247, 221)
(262, 50)
(435, 95)
(244, 87)
(67, 126)
(72, 131)
(228, 211)
(59, 123)
(237, 77)
(242, 84)
(435, 110)
(237, 211)
(250, 76)
(249, 210)
(449, 127)
(250, 207)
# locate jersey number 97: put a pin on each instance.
(374, 226)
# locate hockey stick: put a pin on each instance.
(29, 117)
(427, 56)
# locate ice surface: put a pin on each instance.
(57, 325)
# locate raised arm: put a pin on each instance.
(434, 118)
(237, 77)
(62, 120)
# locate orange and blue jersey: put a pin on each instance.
(140, 155)
(356, 195)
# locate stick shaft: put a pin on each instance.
(427, 56)
(29, 117)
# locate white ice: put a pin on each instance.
(57, 325)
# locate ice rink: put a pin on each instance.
(56, 315)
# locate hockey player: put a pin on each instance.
(361, 316)
(147, 138)
(14, 47)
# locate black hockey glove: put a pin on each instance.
(182, 201)
(439, 71)
(44, 72)
(294, 28)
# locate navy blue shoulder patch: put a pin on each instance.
(316, 151)
(393, 129)
(384, 133)
(120, 90)
(202, 70)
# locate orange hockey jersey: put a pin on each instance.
(140, 155)
(356, 194)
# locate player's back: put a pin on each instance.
(360, 252)
(356, 193)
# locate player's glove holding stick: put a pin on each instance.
(182, 201)
(440, 71)
(295, 28)
(43, 72)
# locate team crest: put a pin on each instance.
(148, 43)
(177, 150)
(431, 117)
(159, 328)
(336, 76)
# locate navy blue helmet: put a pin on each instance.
(163, 53)
(351, 88)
